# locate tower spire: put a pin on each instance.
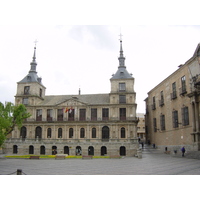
(33, 63)
(121, 55)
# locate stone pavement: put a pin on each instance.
(153, 162)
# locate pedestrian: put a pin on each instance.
(183, 151)
(142, 144)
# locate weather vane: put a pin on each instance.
(35, 42)
(120, 35)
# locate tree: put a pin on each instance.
(11, 116)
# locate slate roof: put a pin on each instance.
(90, 99)
(121, 73)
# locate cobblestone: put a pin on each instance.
(153, 162)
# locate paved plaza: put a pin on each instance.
(153, 162)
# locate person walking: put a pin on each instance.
(183, 151)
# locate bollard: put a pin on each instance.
(19, 172)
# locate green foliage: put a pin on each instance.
(11, 116)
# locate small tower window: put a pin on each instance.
(40, 92)
(28, 78)
(26, 89)
(122, 87)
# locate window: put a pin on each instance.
(154, 103)
(26, 89)
(122, 113)
(105, 133)
(49, 115)
(82, 114)
(185, 116)
(60, 114)
(94, 114)
(38, 132)
(82, 133)
(155, 125)
(39, 115)
(183, 85)
(162, 122)
(93, 132)
(175, 118)
(123, 133)
(105, 114)
(60, 133)
(23, 132)
(25, 101)
(49, 133)
(122, 87)
(122, 98)
(40, 92)
(71, 115)
(71, 132)
(161, 98)
(173, 94)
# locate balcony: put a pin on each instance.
(161, 102)
(173, 95)
(153, 106)
(182, 90)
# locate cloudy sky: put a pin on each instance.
(86, 56)
(78, 43)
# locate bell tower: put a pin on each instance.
(30, 90)
(122, 83)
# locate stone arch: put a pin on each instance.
(94, 132)
(91, 150)
(103, 150)
(60, 133)
(49, 133)
(105, 133)
(78, 150)
(71, 132)
(122, 151)
(31, 149)
(82, 133)
(42, 150)
(54, 150)
(66, 150)
(38, 132)
(123, 132)
(23, 132)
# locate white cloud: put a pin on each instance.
(70, 57)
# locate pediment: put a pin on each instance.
(71, 102)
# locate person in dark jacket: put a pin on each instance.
(183, 151)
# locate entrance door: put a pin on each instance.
(31, 149)
(15, 149)
(54, 150)
(90, 151)
(66, 150)
(122, 151)
(103, 150)
(78, 151)
(42, 150)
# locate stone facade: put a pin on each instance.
(141, 127)
(94, 124)
(170, 110)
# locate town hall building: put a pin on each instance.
(92, 124)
